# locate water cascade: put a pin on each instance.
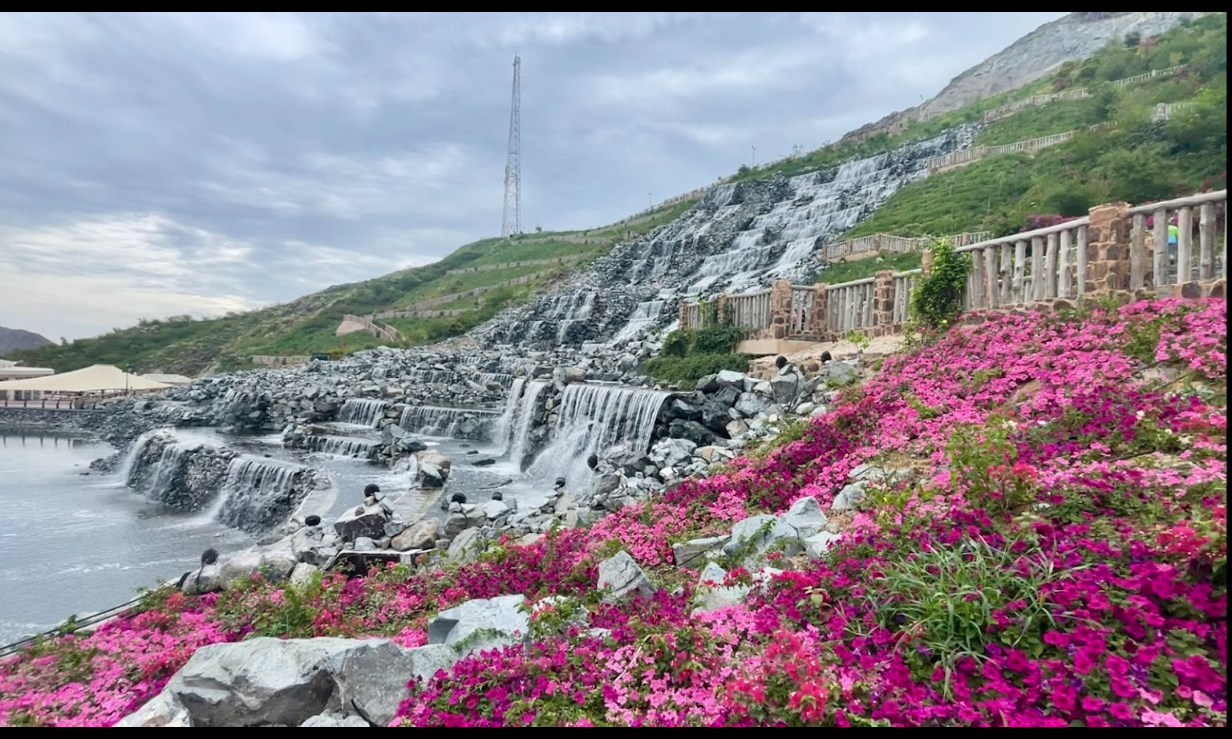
(343, 446)
(260, 493)
(504, 424)
(362, 411)
(644, 316)
(598, 419)
(460, 423)
(527, 413)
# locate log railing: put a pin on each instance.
(1174, 247)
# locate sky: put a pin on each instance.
(165, 164)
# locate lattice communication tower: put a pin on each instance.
(511, 220)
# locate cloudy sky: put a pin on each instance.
(153, 165)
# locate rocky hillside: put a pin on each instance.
(1074, 37)
(16, 340)
(769, 221)
(1033, 533)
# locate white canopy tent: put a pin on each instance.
(99, 378)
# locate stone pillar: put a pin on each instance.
(883, 303)
(721, 310)
(926, 262)
(684, 314)
(1108, 249)
(820, 310)
(780, 308)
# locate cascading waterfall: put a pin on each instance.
(595, 419)
(343, 446)
(449, 377)
(259, 493)
(644, 315)
(170, 464)
(572, 309)
(504, 424)
(435, 421)
(362, 411)
(528, 411)
(125, 471)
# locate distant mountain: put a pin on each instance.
(15, 340)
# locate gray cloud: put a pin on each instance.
(159, 164)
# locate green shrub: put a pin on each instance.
(677, 343)
(937, 298)
(717, 340)
(686, 371)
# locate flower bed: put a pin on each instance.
(1058, 558)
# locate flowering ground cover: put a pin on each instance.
(1056, 557)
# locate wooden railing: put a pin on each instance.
(749, 310)
(1114, 249)
(884, 243)
(569, 259)
(1009, 109)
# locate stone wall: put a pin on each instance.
(37, 419)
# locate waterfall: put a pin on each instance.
(259, 493)
(644, 315)
(362, 411)
(593, 420)
(435, 421)
(157, 482)
(125, 471)
(344, 446)
(528, 411)
(504, 424)
(570, 310)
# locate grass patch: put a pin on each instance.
(858, 269)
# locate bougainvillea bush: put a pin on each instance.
(1053, 553)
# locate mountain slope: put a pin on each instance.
(15, 340)
(883, 183)
(1074, 37)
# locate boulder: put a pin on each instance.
(748, 535)
(303, 573)
(286, 682)
(849, 497)
(431, 476)
(465, 544)
(163, 710)
(366, 521)
(685, 553)
(818, 544)
(481, 624)
(803, 520)
(622, 578)
(336, 720)
(420, 536)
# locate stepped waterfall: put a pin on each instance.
(362, 411)
(598, 419)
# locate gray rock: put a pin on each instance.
(803, 520)
(747, 534)
(336, 720)
(818, 544)
(849, 497)
(364, 544)
(494, 509)
(285, 682)
(420, 536)
(303, 573)
(163, 710)
(621, 577)
(713, 573)
(465, 545)
(491, 622)
(369, 522)
(685, 554)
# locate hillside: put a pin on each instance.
(1131, 157)
(1015, 542)
(16, 340)
(1074, 37)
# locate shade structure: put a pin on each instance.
(98, 378)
